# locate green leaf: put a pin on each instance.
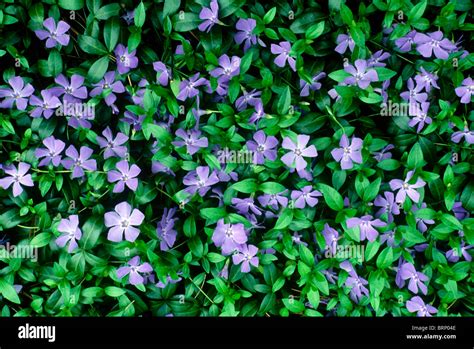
(107, 11)
(55, 63)
(385, 258)
(91, 45)
(321, 282)
(215, 257)
(140, 15)
(339, 75)
(246, 186)
(91, 231)
(8, 291)
(315, 31)
(189, 227)
(271, 187)
(346, 15)
(384, 73)
(186, 21)
(417, 11)
(41, 240)
(111, 33)
(170, 7)
(415, 157)
(372, 190)
(389, 164)
(313, 298)
(293, 305)
(72, 5)
(269, 16)
(331, 196)
(284, 101)
(371, 250)
(306, 255)
(113, 291)
(145, 193)
(98, 69)
(284, 219)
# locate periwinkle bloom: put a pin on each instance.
(263, 147)
(169, 280)
(376, 59)
(404, 43)
(344, 42)
(129, 17)
(366, 226)
(248, 98)
(163, 73)
(274, 200)
(190, 139)
(421, 222)
(113, 146)
(123, 221)
(467, 134)
(314, 85)
(355, 282)
(414, 93)
(408, 272)
(125, 60)
(54, 34)
(245, 29)
(384, 153)
(427, 80)
(454, 254)
(258, 114)
(165, 229)
(71, 233)
(361, 75)
(133, 120)
(404, 188)
(126, 175)
(228, 67)
(79, 161)
(245, 206)
(246, 256)
(421, 117)
(349, 152)
(295, 157)
(187, 88)
(389, 238)
(108, 83)
(210, 16)
(229, 236)
(18, 94)
(134, 270)
(17, 177)
(387, 205)
(422, 309)
(466, 90)
(427, 44)
(52, 152)
(283, 51)
(71, 90)
(460, 212)
(200, 180)
(305, 196)
(330, 236)
(45, 106)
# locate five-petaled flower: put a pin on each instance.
(71, 233)
(126, 175)
(133, 270)
(298, 151)
(17, 177)
(122, 222)
(349, 152)
(54, 34)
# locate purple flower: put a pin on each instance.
(200, 180)
(467, 134)
(420, 222)
(307, 196)
(246, 256)
(426, 79)
(125, 60)
(54, 35)
(113, 147)
(453, 254)
(405, 42)
(414, 93)
(407, 189)
(389, 238)
(210, 16)
(330, 236)
(245, 29)
(129, 17)
(361, 76)
(355, 282)
(387, 204)
(460, 212)
(187, 88)
(384, 153)
(71, 90)
(283, 52)
(376, 59)
(107, 84)
(366, 226)
(163, 73)
(45, 106)
(71, 233)
(343, 42)
(422, 309)
(258, 114)
(297, 152)
(264, 147)
(244, 206)
(426, 45)
(123, 221)
(228, 68)
(165, 229)
(51, 153)
(313, 85)
(274, 200)
(124, 176)
(18, 94)
(408, 272)
(191, 140)
(421, 117)
(133, 120)
(157, 167)
(17, 177)
(79, 161)
(134, 270)
(466, 90)
(229, 236)
(249, 98)
(348, 153)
